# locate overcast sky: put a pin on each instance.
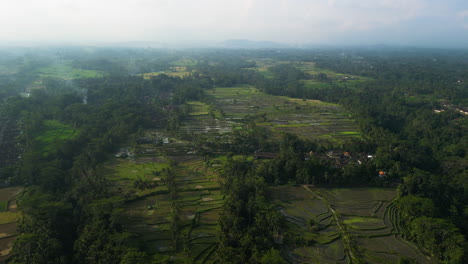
(396, 22)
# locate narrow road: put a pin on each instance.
(344, 235)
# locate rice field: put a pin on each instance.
(183, 224)
(181, 74)
(54, 131)
(333, 78)
(306, 118)
(66, 72)
(343, 224)
(8, 217)
(150, 213)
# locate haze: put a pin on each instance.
(333, 22)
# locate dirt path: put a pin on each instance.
(344, 235)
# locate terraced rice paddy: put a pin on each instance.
(184, 223)
(305, 118)
(8, 217)
(205, 119)
(347, 224)
(309, 119)
(179, 70)
(333, 78)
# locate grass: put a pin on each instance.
(391, 248)
(312, 84)
(361, 194)
(185, 63)
(54, 131)
(359, 210)
(335, 78)
(124, 169)
(196, 199)
(361, 222)
(332, 253)
(198, 108)
(3, 206)
(6, 194)
(66, 71)
(8, 217)
(350, 133)
(181, 74)
(305, 118)
(293, 125)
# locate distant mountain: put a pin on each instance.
(250, 44)
(139, 44)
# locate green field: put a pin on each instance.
(306, 118)
(309, 119)
(3, 206)
(333, 225)
(198, 108)
(334, 78)
(65, 71)
(185, 62)
(52, 132)
(182, 74)
(149, 212)
(199, 204)
(366, 216)
(9, 215)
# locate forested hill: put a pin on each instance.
(234, 156)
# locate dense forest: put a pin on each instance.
(410, 106)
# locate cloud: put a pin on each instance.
(187, 20)
(463, 16)
(463, 13)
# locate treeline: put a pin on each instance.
(251, 228)
(69, 214)
(306, 162)
(438, 236)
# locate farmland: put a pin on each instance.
(181, 74)
(151, 214)
(176, 215)
(340, 224)
(179, 70)
(328, 78)
(66, 72)
(309, 119)
(239, 156)
(8, 217)
(52, 133)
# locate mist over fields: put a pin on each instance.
(237, 132)
(183, 23)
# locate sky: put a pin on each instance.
(435, 23)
